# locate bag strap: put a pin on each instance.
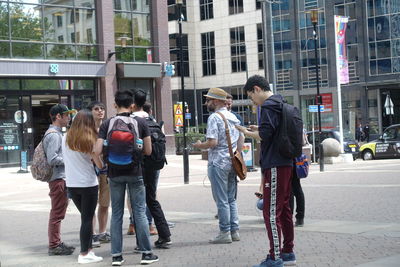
(228, 136)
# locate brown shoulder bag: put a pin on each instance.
(237, 160)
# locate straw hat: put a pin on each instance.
(217, 93)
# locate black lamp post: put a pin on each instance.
(181, 70)
(314, 20)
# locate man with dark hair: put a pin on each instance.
(120, 178)
(60, 117)
(98, 110)
(277, 173)
(151, 181)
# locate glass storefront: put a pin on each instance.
(62, 29)
(132, 30)
(35, 98)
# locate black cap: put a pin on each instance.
(60, 109)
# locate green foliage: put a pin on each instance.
(190, 139)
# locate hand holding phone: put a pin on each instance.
(258, 194)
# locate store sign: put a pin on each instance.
(9, 138)
(53, 68)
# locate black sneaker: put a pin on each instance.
(95, 241)
(61, 249)
(163, 242)
(117, 260)
(104, 238)
(299, 223)
(148, 258)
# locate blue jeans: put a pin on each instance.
(224, 187)
(137, 196)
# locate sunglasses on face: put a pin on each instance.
(99, 109)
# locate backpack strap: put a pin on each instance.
(228, 136)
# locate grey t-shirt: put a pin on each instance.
(52, 147)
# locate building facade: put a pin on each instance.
(73, 52)
(223, 43)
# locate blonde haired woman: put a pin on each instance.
(81, 179)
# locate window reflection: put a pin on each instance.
(48, 31)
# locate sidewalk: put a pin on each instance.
(332, 236)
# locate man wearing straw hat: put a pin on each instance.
(220, 170)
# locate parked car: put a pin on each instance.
(349, 144)
(386, 146)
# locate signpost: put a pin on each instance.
(314, 109)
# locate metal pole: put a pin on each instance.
(196, 117)
(272, 47)
(264, 31)
(185, 149)
(321, 153)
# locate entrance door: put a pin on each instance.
(41, 105)
(15, 127)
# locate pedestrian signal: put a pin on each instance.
(169, 69)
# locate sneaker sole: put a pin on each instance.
(145, 262)
(220, 242)
(92, 261)
(117, 263)
(289, 263)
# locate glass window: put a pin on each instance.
(395, 6)
(58, 51)
(175, 53)
(396, 64)
(396, 48)
(4, 49)
(27, 50)
(238, 49)
(382, 28)
(395, 25)
(4, 21)
(84, 24)
(235, 6)
(383, 49)
(141, 29)
(208, 53)
(384, 66)
(26, 24)
(206, 9)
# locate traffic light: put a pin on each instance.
(169, 69)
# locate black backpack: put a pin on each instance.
(290, 132)
(157, 158)
(123, 146)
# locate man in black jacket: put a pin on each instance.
(277, 173)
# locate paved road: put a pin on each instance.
(352, 218)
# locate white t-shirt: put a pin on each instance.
(79, 169)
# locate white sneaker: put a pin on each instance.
(89, 258)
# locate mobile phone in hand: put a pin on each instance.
(258, 194)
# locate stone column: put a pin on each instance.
(162, 90)
(105, 39)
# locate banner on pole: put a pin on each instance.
(341, 53)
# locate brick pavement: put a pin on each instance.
(351, 218)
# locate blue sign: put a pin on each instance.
(314, 108)
(188, 116)
(24, 160)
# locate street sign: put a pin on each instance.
(314, 108)
(188, 116)
(178, 115)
